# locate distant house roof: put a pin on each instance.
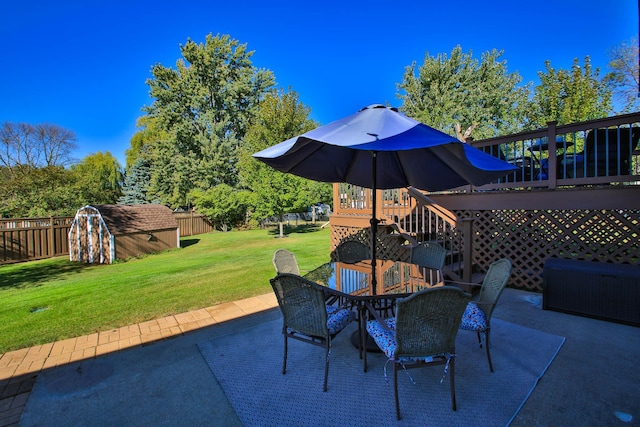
(125, 219)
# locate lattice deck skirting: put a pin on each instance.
(529, 237)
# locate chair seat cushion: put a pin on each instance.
(473, 318)
(386, 340)
(338, 318)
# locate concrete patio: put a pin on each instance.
(593, 380)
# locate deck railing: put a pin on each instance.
(594, 152)
(415, 218)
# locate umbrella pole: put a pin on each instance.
(374, 225)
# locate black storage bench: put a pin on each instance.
(593, 289)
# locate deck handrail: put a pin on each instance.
(594, 152)
(414, 215)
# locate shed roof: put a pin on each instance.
(125, 219)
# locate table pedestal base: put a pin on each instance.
(370, 345)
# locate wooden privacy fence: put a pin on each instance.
(192, 223)
(27, 239)
(23, 239)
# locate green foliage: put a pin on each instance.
(203, 108)
(570, 96)
(462, 96)
(225, 206)
(623, 79)
(37, 192)
(55, 191)
(209, 269)
(98, 178)
(136, 183)
(281, 116)
(143, 141)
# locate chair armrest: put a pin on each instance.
(484, 303)
(332, 296)
(376, 315)
(459, 282)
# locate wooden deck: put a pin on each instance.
(576, 195)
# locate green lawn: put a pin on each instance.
(44, 301)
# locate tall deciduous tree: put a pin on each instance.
(36, 146)
(569, 96)
(204, 106)
(144, 141)
(281, 116)
(462, 96)
(98, 178)
(623, 79)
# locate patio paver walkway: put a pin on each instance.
(19, 368)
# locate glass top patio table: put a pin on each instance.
(393, 277)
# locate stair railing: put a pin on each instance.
(419, 216)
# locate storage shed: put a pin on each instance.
(103, 233)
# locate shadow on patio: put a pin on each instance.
(592, 381)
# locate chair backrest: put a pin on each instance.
(302, 304)
(610, 147)
(285, 262)
(428, 254)
(351, 251)
(427, 321)
(493, 284)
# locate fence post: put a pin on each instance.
(52, 243)
(553, 155)
(467, 250)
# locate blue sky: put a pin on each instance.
(83, 64)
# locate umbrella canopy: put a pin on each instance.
(408, 153)
(379, 148)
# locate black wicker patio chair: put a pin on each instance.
(423, 333)
(306, 316)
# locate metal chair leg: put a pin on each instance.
(486, 344)
(284, 363)
(326, 364)
(452, 382)
(395, 385)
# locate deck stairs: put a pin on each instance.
(411, 217)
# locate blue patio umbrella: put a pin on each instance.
(379, 148)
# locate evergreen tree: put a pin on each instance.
(136, 183)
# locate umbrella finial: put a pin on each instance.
(372, 106)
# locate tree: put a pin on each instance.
(36, 146)
(136, 183)
(98, 178)
(143, 142)
(37, 192)
(623, 79)
(32, 165)
(569, 96)
(281, 116)
(461, 96)
(222, 204)
(203, 108)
